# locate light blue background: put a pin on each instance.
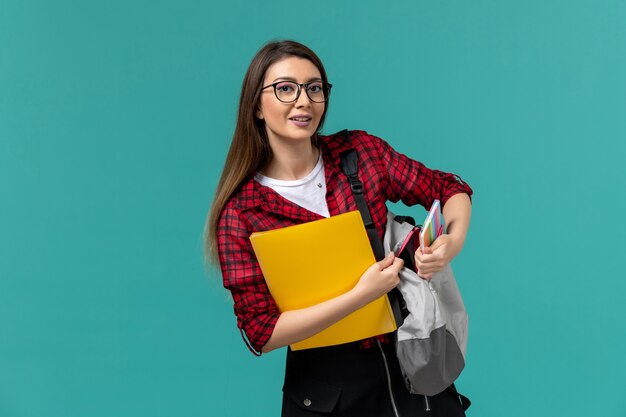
(115, 118)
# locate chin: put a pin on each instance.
(301, 134)
(293, 134)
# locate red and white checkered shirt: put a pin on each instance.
(387, 176)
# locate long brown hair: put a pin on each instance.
(249, 150)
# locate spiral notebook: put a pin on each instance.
(306, 264)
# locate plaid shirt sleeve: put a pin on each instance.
(254, 307)
(413, 183)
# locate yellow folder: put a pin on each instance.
(306, 264)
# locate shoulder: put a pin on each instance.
(245, 198)
(341, 141)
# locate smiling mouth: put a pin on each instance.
(301, 119)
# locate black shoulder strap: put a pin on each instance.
(350, 167)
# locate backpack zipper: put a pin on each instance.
(393, 402)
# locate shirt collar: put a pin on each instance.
(252, 194)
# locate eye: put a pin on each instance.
(316, 87)
(285, 87)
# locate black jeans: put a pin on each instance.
(348, 381)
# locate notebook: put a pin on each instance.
(434, 226)
(306, 264)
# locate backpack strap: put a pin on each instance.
(350, 167)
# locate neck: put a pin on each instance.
(291, 161)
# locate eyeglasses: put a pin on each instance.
(289, 91)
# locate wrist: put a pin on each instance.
(357, 297)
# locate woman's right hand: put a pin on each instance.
(379, 279)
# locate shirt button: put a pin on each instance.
(307, 402)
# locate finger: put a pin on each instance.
(421, 256)
(429, 265)
(386, 261)
(437, 244)
(425, 259)
(423, 269)
(397, 265)
(426, 277)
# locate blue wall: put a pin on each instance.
(115, 118)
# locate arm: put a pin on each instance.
(413, 183)
(457, 212)
(397, 177)
(296, 325)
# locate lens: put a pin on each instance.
(286, 91)
(316, 92)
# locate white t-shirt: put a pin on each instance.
(308, 192)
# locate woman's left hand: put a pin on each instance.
(457, 211)
(436, 256)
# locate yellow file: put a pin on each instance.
(306, 264)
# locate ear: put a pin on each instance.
(259, 114)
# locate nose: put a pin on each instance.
(303, 99)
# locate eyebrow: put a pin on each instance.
(295, 81)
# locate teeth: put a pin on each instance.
(300, 119)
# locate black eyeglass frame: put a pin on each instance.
(327, 86)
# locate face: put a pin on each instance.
(296, 121)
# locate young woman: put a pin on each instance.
(281, 171)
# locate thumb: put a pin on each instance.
(428, 250)
(436, 244)
(440, 241)
(386, 261)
